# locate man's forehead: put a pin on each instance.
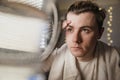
(88, 14)
(83, 18)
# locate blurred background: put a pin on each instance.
(31, 29)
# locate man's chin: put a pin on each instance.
(78, 54)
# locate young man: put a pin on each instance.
(83, 57)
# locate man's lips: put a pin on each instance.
(76, 47)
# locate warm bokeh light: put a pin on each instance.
(109, 22)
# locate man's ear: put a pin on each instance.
(100, 33)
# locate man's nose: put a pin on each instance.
(77, 37)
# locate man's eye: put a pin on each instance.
(69, 29)
(86, 30)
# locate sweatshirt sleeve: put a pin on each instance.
(46, 64)
(115, 63)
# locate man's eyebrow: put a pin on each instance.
(91, 27)
(68, 25)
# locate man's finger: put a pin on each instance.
(65, 23)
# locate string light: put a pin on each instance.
(108, 34)
(109, 23)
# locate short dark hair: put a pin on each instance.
(88, 6)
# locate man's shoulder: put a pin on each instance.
(108, 52)
(63, 48)
(61, 52)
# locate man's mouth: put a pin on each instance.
(76, 47)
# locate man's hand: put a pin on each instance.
(65, 23)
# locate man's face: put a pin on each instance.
(81, 34)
